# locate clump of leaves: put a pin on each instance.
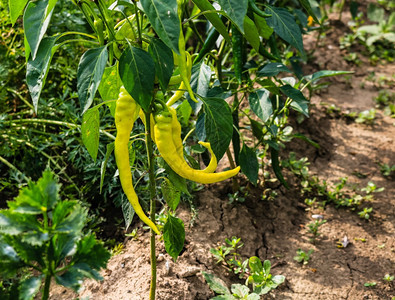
(42, 235)
(303, 257)
(314, 226)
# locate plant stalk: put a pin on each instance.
(45, 295)
(152, 187)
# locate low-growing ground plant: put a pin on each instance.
(42, 238)
(302, 256)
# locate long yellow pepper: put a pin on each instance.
(126, 112)
(163, 134)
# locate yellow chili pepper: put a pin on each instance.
(126, 112)
(212, 166)
(181, 89)
(164, 138)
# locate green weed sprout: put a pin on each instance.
(303, 257)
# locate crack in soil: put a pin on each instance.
(352, 280)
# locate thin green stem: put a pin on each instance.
(47, 284)
(140, 39)
(152, 187)
(11, 166)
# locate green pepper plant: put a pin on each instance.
(166, 63)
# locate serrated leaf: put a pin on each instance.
(137, 71)
(236, 10)
(37, 70)
(163, 17)
(109, 86)
(61, 211)
(35, 23)
(89, 74)
(72, 278)
(272, 69)
(218, 125)
(261, 104)
(174, 236)
(90, 130)
(283, 23)
(170, 194)
(73, 222)
(163, 60)
(109, 150)
(216, 284)
(91, 252)
(249, 163)
(29, 287)
(16, 7)
(299, 102)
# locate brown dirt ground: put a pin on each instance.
(275, 229)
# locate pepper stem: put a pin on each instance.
(152, 187)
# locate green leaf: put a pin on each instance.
(215, 20)
(61, 211)
(35, 23)
(326, 73)
(283, 23)
(90, 130)
(200, 83)
(174, 236)
(264, 30)
(178, 181)
(236, 10)
(306, 5)
(261, 104)
(299, 102)
(257, 129)
(163, 60)
(218, 124)
(276, 165)
(240, 290)
(16, 7)
(109, 150)
(91, 252)
(216, 284)
(127, 211)
(89, 73)
(267, 266)
(163, 17)
(251, 33)
(278, 279)
(170, 194)
(249, 163)
(70, 279)
(255, 264)
(185, 110)
(109, 86)
(137, 71)
(272, 69)
(29, 287)
(37, 70)
(74, 221)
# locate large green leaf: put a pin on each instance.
(326, 73)
(283, 23)
(264, 30)
(251, 33)
(216, 284)
(261, 104)
(29, 287)
(174, 236)
(200, 83)
(218, 124)
(89, 74)
(109, 86)
(163, 60)
(249, 163)
(236, 10)
(276, 165)
(90, 130)
(16, 7)
(171, 195)
(164, 18)
(37, 69)
(272, 69)
(215, 20)
(299, 102)
(137, 71)
(35, 23)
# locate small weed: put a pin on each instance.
(388, 278)
(239, 196)
(370, 284)
(366, 117)
(303, 257)
(371, 188)
(314, 226)
(387, 170)
(117, 249)
(365, 213)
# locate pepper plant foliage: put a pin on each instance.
(43, 234)
(135, 44)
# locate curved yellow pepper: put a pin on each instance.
(126, 112)
(164, 137)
